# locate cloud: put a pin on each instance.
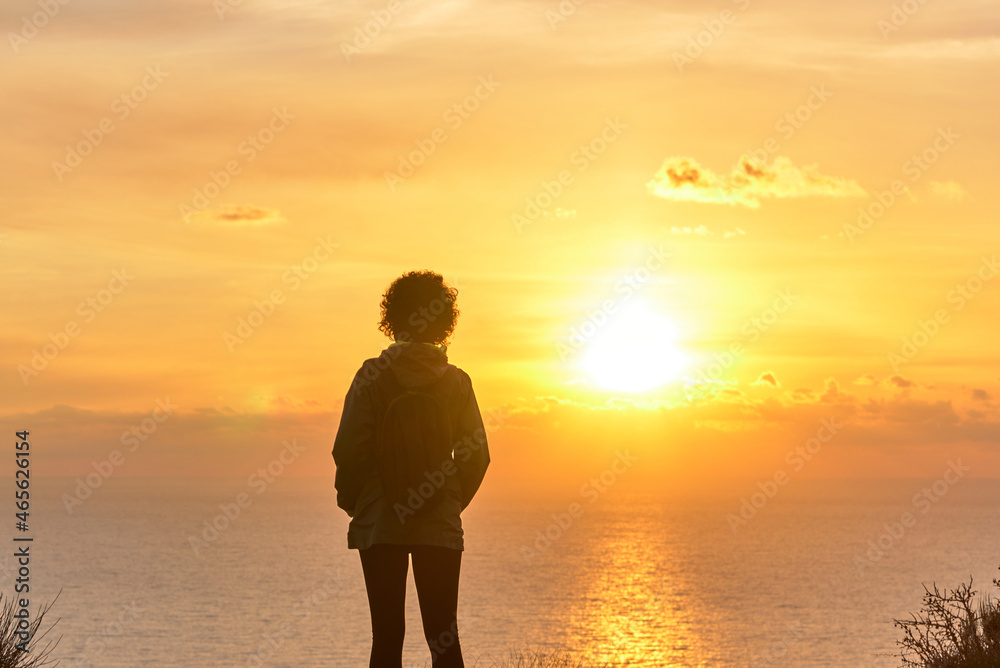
(700, 230)
(218, 442)
(901, 382)
(542, 434)
(866, 380)
(246, 214)
(767, 378)
(874, 420)
(833, 394)
(250, 215)
(968, 48)
(981, 395)
(703, 231)
(914, 412)
(949, 190)
(682, 179)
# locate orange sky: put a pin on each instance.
(268, 152)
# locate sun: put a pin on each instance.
(634, 351)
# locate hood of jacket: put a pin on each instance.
(416, 364)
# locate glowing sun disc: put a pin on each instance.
(634, 351)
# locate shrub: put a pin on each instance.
(952, 630)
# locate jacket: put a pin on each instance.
(359, 488)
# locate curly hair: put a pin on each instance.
(419, 306)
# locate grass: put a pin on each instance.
(36, 656)
(952, 630)
(529, 658)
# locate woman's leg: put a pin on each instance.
(435, 572)
(385, 568)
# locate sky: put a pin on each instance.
(698, 232)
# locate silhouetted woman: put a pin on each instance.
(411, 452)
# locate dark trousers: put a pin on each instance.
(435, 573)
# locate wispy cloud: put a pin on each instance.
(683, 179)
(949, 190)
(247, 214)
(703, 231)
(867, 380)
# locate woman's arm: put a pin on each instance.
(354, 445)
(472, 454)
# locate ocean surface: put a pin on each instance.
(650, 579)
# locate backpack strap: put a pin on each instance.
(386, 381)
(389, 388)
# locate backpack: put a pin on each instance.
(413, 442)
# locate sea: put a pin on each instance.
(216, 572)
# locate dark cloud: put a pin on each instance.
(248, 214)
(900, 382)
(242, 215)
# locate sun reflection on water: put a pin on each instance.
(637, 605)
